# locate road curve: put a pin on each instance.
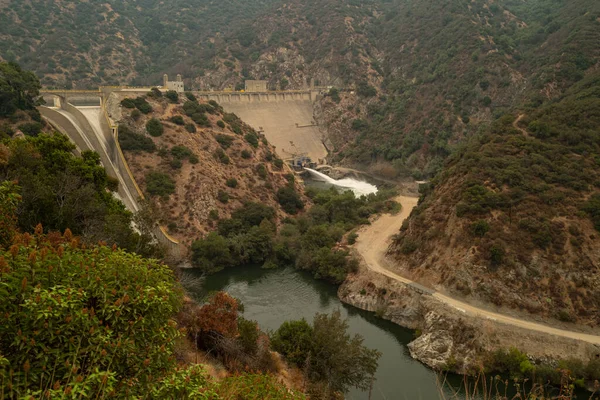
(373, 241)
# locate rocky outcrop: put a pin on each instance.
(447, 338)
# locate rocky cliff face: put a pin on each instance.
(448, 339)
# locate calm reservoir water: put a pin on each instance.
(271, 297)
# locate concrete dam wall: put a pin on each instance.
(286, 119)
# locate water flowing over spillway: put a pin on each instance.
(359, 188)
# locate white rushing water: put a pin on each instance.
(359, 188)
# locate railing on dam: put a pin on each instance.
(219, 96)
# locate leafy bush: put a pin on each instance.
(136, 114)
(335, 95)
(159, 184)
(190, 96)
(67, 311)
(181, 152)
(221, 156)
(222, 196)
(191, 128)
(155, 93)
(154, 127)
(232, 183)
(177, 119)
(289, 200)
(221, 124)
(172, 96)
(132, 141)
(246, 154)
(224, 140)
(252, 139)
(261, 170)
(128, 103)
(31, 128)
(278, 163)
(480, 228)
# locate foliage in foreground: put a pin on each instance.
(97, 323)
(60, 191)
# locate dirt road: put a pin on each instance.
(373, 241)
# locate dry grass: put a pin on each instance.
(483, 387)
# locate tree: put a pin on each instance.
(154, 127)
(84, 324)
(211, 254)
(289, 200)
(327, 352)
(293, 339)
(18, 89)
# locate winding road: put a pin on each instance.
(373, 241)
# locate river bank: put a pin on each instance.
(450, 337)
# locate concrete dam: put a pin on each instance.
(285, 118)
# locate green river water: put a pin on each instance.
(271, 297)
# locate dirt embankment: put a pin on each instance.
(453, 333)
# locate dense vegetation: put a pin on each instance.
(327, 352)
(427, 73)
(98, 322)
(307, 242)
(522, 197)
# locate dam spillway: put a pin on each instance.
(286, 119)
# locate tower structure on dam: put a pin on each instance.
(176, 85)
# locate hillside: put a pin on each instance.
(198, 163)
(426, 73)
(513, 219)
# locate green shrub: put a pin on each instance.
(155, 93)
(159, 184)
(480, 228)
(223, 196)
(143, 105)
(224, 140)
(191, 128)
(82, 320)
(190, 96)
(175, 163)
(213, 214)
(177, 119)
(181, 152)
(246, 154)
(232, 183)
(278, 163)
(497, 254)
(154, 127)
(252, 139)
(327, 351)
(172, 96)
(31, 128)
(221, 124)
(221, 156)
(289, 200)
(136, 114)
(132, 141)
(128, 103)
(335, 95)
(352, 236)
(261, 170)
